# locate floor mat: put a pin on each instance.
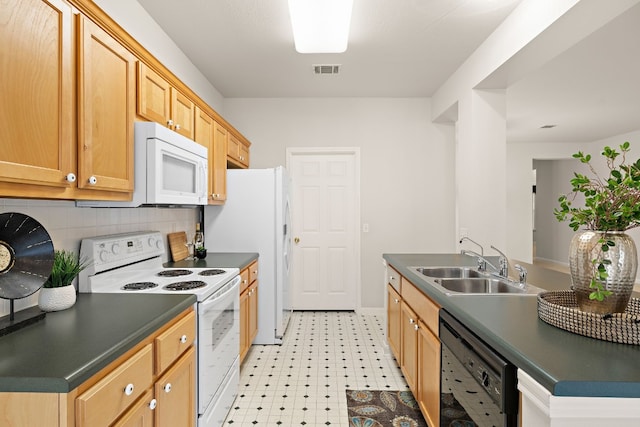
(373, 408)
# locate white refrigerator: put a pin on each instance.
(256, 218)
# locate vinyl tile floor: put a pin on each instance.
(303, 381)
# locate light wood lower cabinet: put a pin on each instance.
(412, 328)
(393, 321)
(428, 393)
(175, 393)
(131, 391)
(248, 308)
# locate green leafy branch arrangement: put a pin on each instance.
(611, 204)
(66, 266)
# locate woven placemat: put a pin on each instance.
(560, 309)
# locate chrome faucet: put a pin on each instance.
(482, 261)
(504, 263)
(475, 243)
(522, 274)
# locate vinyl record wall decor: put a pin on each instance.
(26, 256)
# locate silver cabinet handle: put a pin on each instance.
(412, 321)
(415, 327)
(169, 122)
(71, 177)
(177, 126)
(128, 390)
(153, 404)
(183, 339)
(167, 388)
(93, 180)
(396, 300)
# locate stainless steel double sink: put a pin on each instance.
(468, 280)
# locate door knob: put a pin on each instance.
(296, 240)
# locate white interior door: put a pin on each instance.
(325, 222)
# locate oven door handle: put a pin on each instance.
(232, 286)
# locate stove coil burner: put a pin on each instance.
(185, 286)
(174, 273)
(139, 286)
(213, 272)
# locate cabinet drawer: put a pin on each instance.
(244, 279)
(393, 278)
(426, 309)
(101, 404)
(174, 341)
(253, 272)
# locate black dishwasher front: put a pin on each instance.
(478, 386)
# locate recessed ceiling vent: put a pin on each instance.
(326, 69)
(547, 126)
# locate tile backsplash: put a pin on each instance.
(68, 225)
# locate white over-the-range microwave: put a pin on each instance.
(169, 169)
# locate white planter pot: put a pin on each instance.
(56, 299)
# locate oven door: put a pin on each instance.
(218, 340)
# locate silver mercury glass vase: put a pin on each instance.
(583, 250)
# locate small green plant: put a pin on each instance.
(610, 204)
(66, 266)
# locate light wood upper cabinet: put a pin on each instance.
(182, 113)
(160, 102)
(218, 165)
(237, 153)
(203, 129)
(37, 87)
(154, 97)
(106, 110)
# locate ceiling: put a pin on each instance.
(409, 48)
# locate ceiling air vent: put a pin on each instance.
(326, 69)
(547, 126)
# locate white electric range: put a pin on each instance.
(132, 263)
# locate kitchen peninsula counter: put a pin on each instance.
(60, 352)
(564, 363)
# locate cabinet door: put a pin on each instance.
(106, 110)
(409, 351)
(182, 113)
(101, 404)
(153, 95)
(140, 414)
(428, 396)
(175, 393)
(244, 324)
(253, 313)
(203, 129)
(37, 87)
(244, 155)
(393, 321)
(218, 165)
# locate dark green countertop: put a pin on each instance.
(60, 352)
(564, 363)
(218, 260)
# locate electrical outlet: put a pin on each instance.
(365, 228)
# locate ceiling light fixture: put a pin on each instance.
(320, 26)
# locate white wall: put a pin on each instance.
(131, 16)
(407, 167)
(553, 236)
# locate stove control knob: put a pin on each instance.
(104, 256)
(115, 248)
